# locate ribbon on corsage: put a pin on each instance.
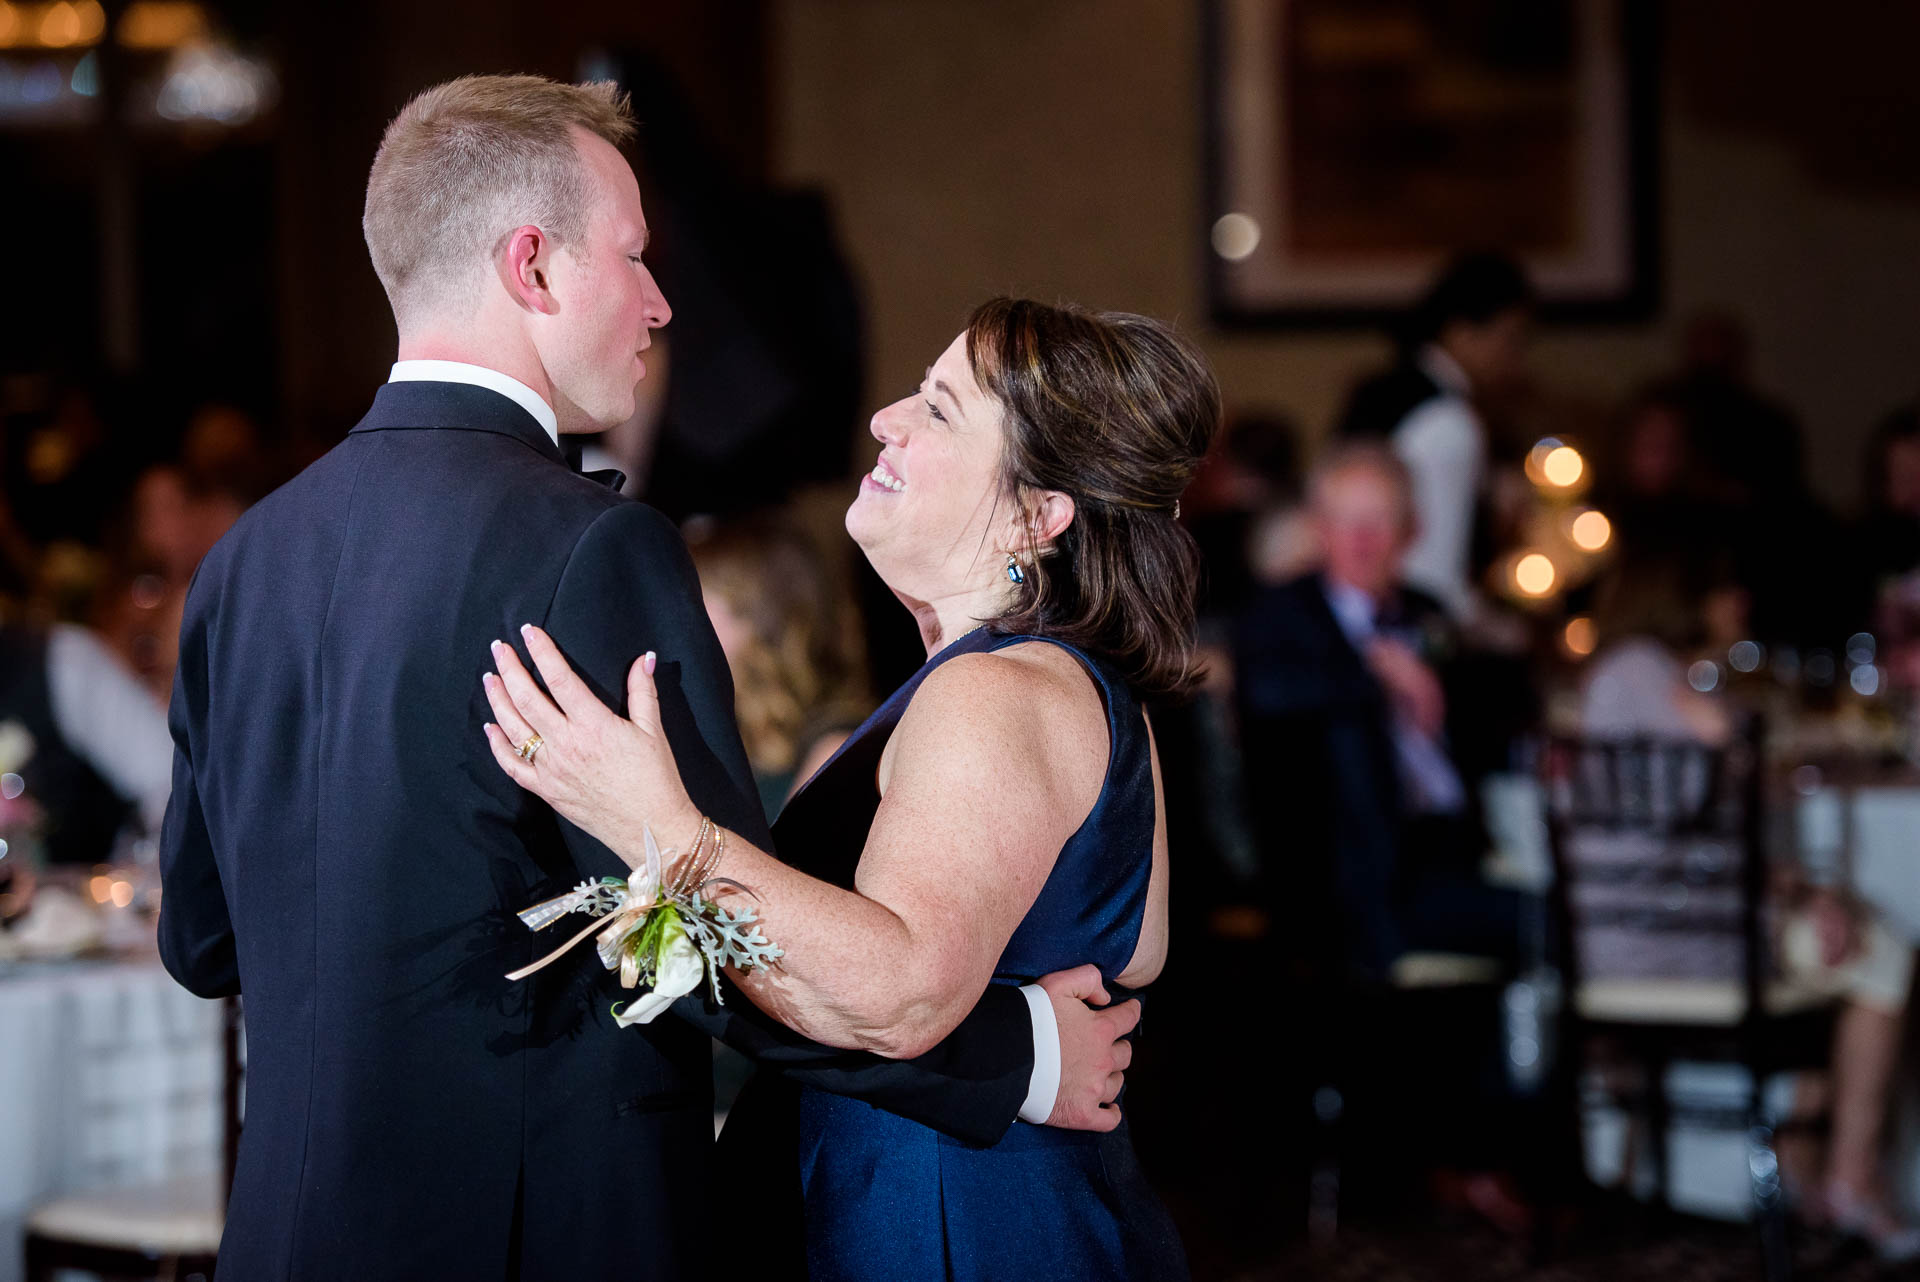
(666, 939)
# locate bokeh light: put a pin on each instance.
(1704, 676)
(1533, 574)
(1563, 467)
(1592, 531)
(1235, 236)
(1579, 636)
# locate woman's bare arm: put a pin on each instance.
(996, 762)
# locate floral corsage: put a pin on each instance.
(668, 937)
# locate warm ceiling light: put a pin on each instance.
(1235, 236)
(122, 893)
(101, 888)
(1579, 636)
(1592, 530)
(1563, 466)
(161, 24)
(10, 25)
(1533, 574)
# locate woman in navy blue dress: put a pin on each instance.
(997, 819)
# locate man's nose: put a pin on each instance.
(658, 311)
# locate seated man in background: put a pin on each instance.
(1352, 790)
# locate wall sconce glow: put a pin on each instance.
(1563, 467)
(65, 25)
(10, 24)
(1579, 636)
(1533, 574)
(1235, 236)
(1592, 531)
(161, 24)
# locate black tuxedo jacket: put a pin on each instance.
(342, 850)
(1324, 790)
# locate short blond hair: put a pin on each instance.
(468, 161)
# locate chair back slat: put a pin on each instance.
(1657, 853)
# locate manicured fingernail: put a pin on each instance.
(651, 661)
(526, 629)
(496, 647)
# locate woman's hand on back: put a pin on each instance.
(610, 775)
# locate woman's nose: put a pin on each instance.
(889, 425)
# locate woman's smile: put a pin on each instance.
(882, 479)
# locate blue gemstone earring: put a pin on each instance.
(1015, 575)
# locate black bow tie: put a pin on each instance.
(572, 448)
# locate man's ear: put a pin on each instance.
(525, 264)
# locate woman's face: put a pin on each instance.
(930, 515)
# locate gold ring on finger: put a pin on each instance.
(527, 750)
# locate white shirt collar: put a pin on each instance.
(480, 376)
(1444, 370)
(1352, 609)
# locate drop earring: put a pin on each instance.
(1015, 575)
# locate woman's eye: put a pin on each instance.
(933, 411)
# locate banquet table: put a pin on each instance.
(1851, 823)
(110, 1075)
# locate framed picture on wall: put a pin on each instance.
(1355, 145)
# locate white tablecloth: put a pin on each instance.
(1884, 847)
(110, 1074)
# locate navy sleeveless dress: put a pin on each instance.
(886, 1198)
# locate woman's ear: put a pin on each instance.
(1048, 517)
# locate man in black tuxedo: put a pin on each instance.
(340, 847)
(1356, 797)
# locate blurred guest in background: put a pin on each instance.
(1465, 341)
(172, 520)
(1653, 614)
(1889, 535)
(1755, 443)
(1253, 470)
(101, 757)
(1344, 719)
(1658, 488)
(791, 641)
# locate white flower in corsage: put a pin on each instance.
(668, 938)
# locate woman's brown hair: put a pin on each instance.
(1116, 411)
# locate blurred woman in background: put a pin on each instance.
(786, 625)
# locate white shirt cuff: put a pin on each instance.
(1044, 1086)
